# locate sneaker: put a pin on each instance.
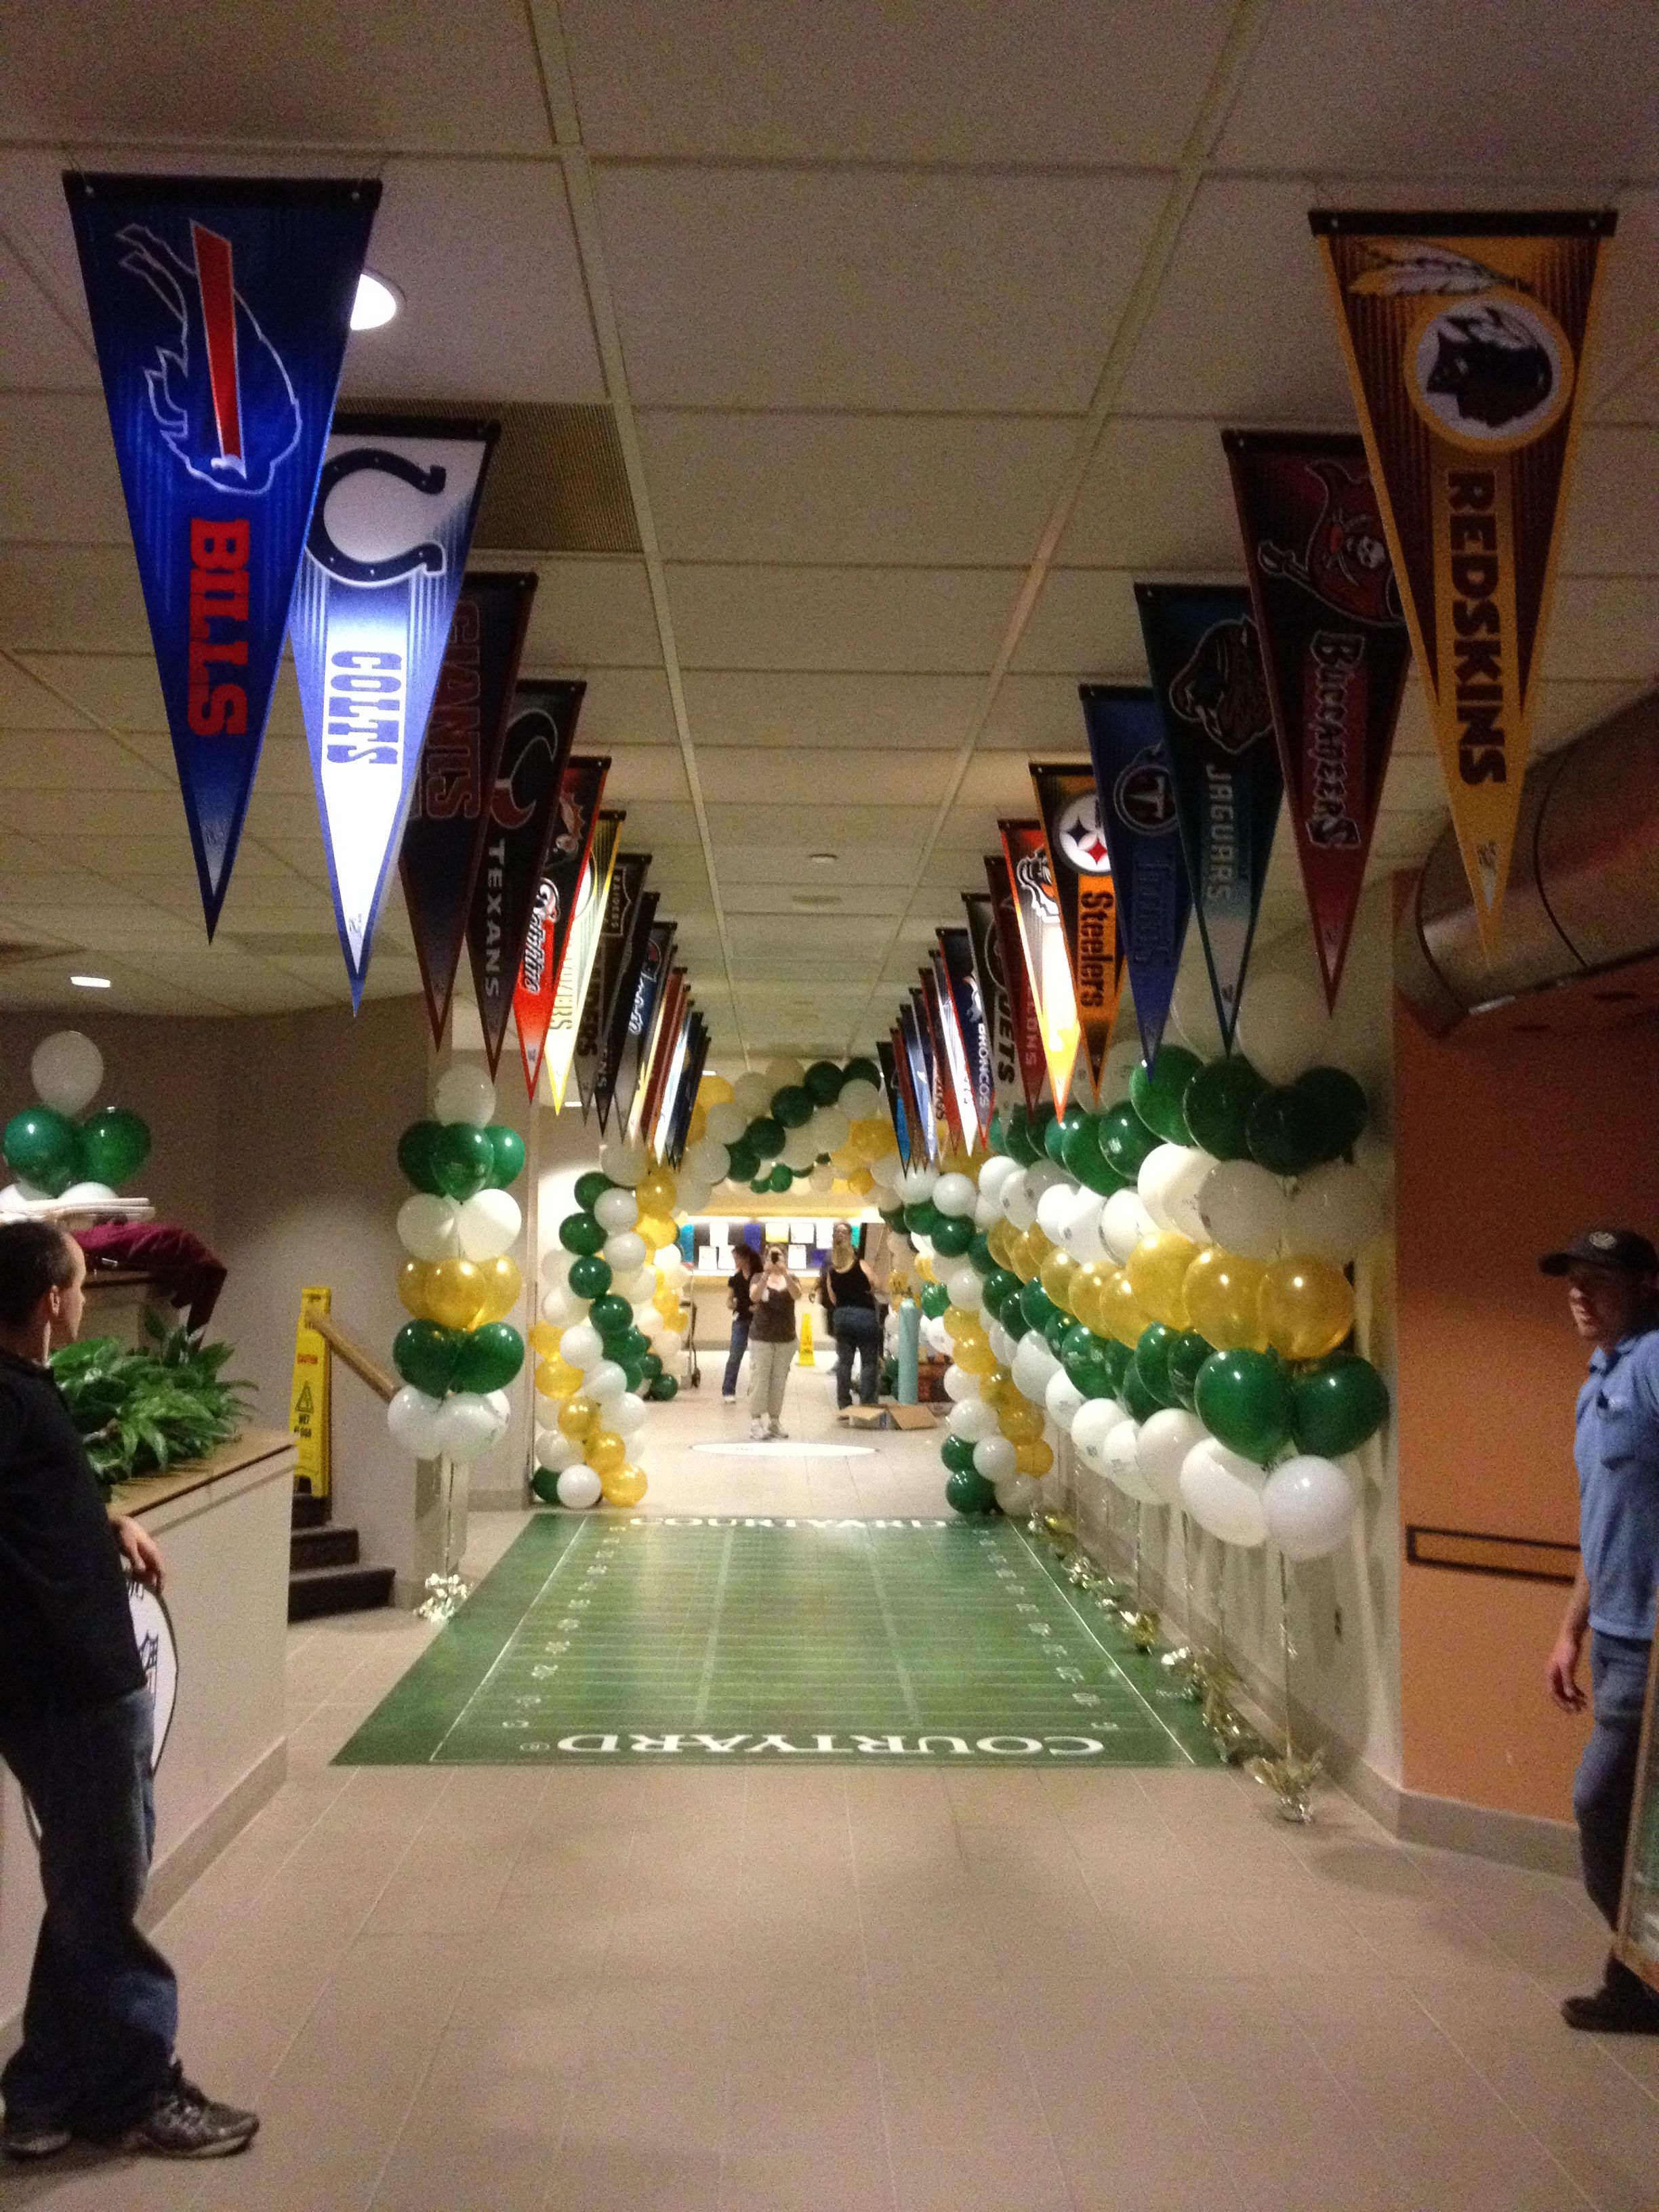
(20, 2140)
(1611, 2012)
(183, 2123)
(778, 1435)
(757, 1432)
(728, 1397)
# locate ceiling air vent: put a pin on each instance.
(557, 484)
(815, 901)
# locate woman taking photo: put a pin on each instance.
(772, 1298)
(849, 1298)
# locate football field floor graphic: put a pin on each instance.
(733, 1639)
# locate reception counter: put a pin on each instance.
(223, 1525)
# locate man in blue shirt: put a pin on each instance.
(1612, 1295)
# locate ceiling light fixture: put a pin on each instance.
(376, 303)
(823, 859)
(90, 982)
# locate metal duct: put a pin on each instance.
(1583, 893)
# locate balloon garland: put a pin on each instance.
(55, 1158)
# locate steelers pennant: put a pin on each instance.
(1080, 868)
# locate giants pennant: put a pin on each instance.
(220, 309)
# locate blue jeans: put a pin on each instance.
(734, 1357)
(1604, 1788)
(102, 2012)
(856, 1328)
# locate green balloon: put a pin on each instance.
(1152, 1357)
(861, 1070)
(822, 1082)
(1138, 1401)
(969, 1494)
(1083, 1357)
(1036, 1133)
(581, 1234)
(1054, 1136)
(1244, 1399)
(652, 1364)
(590, 1188)
(993, 1137)
(425, 1355)
(1345, 1107)
(1157, 1092)
(635, 1345)
(934, 1300)
(1124, 1139)
(781, 1177)
(1336, 1405)
(793, 1105)
(415, 1154)
(764, 1137)
(983, 1258)
(114, 1144)
(892, 1215)
(1083, 1158)
(1000, 1284)
(634, 1375)
(665, 1387)
(44, 1147)
(958, 1454)
(488, 1357)
(1037, 1307)
(922, 1218)
(1017, 1138)
(761, 1185)
(1218, 1102)
(590, 1275)
(1288, 1130)
(744, 1163)
(1188, 1352)
(1120, 1362)
(610, 1313)
(463, 1159)
(508, 1147)
(545, 1485)
(953, 1235)
(1054, 1329)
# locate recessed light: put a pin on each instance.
(376, 303)
(823, 859)
(90, 982)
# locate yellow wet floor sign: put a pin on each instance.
(307, 1403)
(808, 1356)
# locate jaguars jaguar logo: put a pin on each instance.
(1221, 688)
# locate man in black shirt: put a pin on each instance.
(75, 1728)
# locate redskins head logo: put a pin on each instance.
(1079, 839)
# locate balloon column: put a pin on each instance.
(789, 1125)
(56, 1157)
(458, 1353)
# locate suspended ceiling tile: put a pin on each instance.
(819, 828)
(54, 760)
(870, 289)
(1606, 627)
(657, 825)
(26, 703)
(1565, 709)
(123, 691)
(941, 619)
(888, 862)
(1041, 716)
(1084, 626)
(643, 772)
(592, 614)
(1003, 780)
(58, 482)
(623, 708)
(1243, 329)
(1157, 497)
(41, 349)
(275, 813)
(909, 490)
(1611, 525)
(1413, 783)
(804, 776)
(494, 303)
(740, 707)
(71, 597)
(1637, 398)
(816, 900)
(1407, 836)
(131, 817)
(389, 73)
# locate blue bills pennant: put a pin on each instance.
(1204, 660)
(384, 561)
(1135, 787)
(220, 309)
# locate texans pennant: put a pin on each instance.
(957, 952)
(1042, 945)
(575, 969)
(1081, 869)
(1206, 666)
(615, 942)
(1467, 338)
(614, 1040)
(564, 878)
(220, 309)
(449, 815)
(385, 555)
(1025, 1027)
(1136, 791)
(523, 813)
(993, 995)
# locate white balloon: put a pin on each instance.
(1222, 1491)
(800, 1149)
(917, 1183)
(1033, 1367)
(627, 1417)
(934, 1337)
(556, 1451)
(1120, 1063)
(1019, 1201)
(428, 1227)
(561, 1307)
(86, 1194)
(1002, 1343)
(1064, 1401)
(1242, 1209)
(1091, 1425)
(707, 1161)
(1054, 1210)
(1124, 1222)
(823, 1179)
(624, 1253)
(67, 1070)
(960, 1386)
(1180, 1192)
(578, 1488)
(1191, 1010)
(1080, 1234)
(987, 1213)
(724, 1124)
(412, 1418)
(783, 1074)
(1120, 1456)
(691, 1197)
(1043, 1175)
(624, 1160)
(1308, 1506)
(995, 1172)
(650, 1324)
(973, 1418)
(995, 1458)
(487, 1224)
(955, 1194)
(502, 1403)
(830, 1127)
(462, 1093)
(616, 1209)
(1284, 1027)
(753, 1093)
(1019, 1494)
(859, 1100)
(604, 1381)
(1166, 1437)
(1334, 1211)
(961, 1279)
(468, 1425)
(582, 1346)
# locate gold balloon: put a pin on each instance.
(1034, 1458)
(1024, 1260)
(1019, 1421)
(974, 1355)
(995, 1384)
(414, 1289)
(503, 1287)
(545, 1339)
(578, 1415)
(656, 1191)
(605, 1452)
(1088, 1293)
(655, 1230)
(714, 1091)
(455, 1293)
(626, 1486)
(557, 1378)
(1306, 1306)
(923, 1264)
(999, 1242)
(960, 1322)
(1223, 1300)
(1122, 1315)
(861, 1182)
(871, 1140)
(1157, 1275)
(1057, 1274)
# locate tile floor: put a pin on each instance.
(605, 1990)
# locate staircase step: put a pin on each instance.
(308, 1512)
(333, 1545)
(317, 1591)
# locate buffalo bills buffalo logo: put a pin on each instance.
(1344, 561)
(1221, 688)
(218, 389)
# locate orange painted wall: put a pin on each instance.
(1505, 1146)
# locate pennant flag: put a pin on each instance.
(613, 1043)
(449, 815)
(674, 1066)
(671, 1008)
(377, 588)
(615, 942)
(925, 1133)
(581, 946)
(946, 1051)
(889, 1054)
(685, 1095)
(1042, 944)
(220, 309)
(1081, 869)
(1334, 650)
(523, 812)
(956, 951)
(1205, 667)
(563, 873)
(992, 994)
(1136, 791)
(1024, 1025)
(649, 987)
(1465, 338)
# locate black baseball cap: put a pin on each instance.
(1625, 1250)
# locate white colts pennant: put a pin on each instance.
(384, 561)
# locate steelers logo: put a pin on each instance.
(1080, 840)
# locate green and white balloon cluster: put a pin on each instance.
(784, 1125)
(57, 1159)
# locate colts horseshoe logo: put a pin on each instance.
(390, 567)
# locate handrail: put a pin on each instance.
(351, 1354)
